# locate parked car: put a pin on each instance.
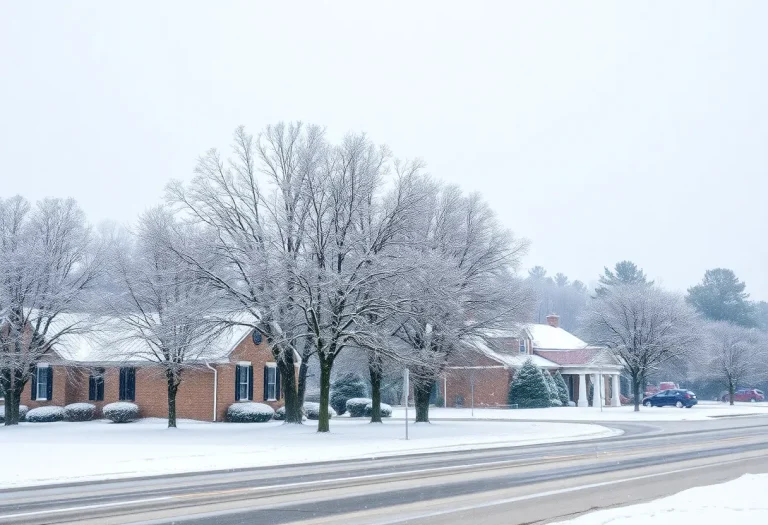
(745, 394)
(675, 397)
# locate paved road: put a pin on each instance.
(506, 485)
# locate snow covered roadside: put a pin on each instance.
(702, 411)
(48, 453)
(739, 501)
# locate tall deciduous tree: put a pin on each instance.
(643, 327)
(164, 314)
(721, 297)
(49, 262)
(732, 355)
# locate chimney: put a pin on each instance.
(553, 320)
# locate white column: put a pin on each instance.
(616, 399)
(583, 391)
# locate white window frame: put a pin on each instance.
(523, 346)
(44, 396)
(244, 367)
(272, 382)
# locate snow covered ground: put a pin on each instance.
(740, 501)
(704, 410)
(45, 453)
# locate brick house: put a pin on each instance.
(238, 368)
(483, 374)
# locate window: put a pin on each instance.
(96, 385)
(270, 383)
(243, 382)
(127, 384)
(42, 384)
(522, 346)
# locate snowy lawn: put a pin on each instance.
(741, 501)
(704, 410)
(46, 453)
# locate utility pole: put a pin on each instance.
(405, 396)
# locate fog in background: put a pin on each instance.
(600, 131)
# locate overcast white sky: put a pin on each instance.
(601, 131)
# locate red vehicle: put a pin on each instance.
(664, 385)
(745, 395)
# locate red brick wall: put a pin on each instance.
(60, 381)
(491, 386)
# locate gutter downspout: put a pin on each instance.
(215, 388)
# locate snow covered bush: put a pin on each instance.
(554, 398)
(45, 414)
(356, 406)
(562, 389)
(279, 414)
(346, 387)
(312, 411)
(249, 413)
(312, 395)
(386, 410)
(23, 409)
(528, 388)
(79, 412)
(121, 412)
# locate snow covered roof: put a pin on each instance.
(546, 337)
(509, 359)
(108, 341)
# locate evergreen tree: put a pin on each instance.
(554, 397)
(562, 388)
(625, 272)
(529, 388)
(721, 297)
(761, 314)
(346, 387)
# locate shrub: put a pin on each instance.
(386, 410)
(312, 410)
(45, 415)
(554, 398)
(249, 413)
(562, 389)
(279, 414)
(23, 409)
(312, 395)
(346, 387)
(79, 412)
(529, 388)
(356, 406)
(121, 412)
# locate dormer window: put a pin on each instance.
(522, 346)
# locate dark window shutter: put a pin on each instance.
(266, 383)
(237, 382)
(123, 384)
(34, 385)
(277, 383)
(91, 388)
(50, 383)
(132, 384)
(250, 383)
(100, 389)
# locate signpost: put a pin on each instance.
(406, 388)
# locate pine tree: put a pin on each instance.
(721, 297)
(346, 387)
(554, 397)
(562, 389)
(529, 388)
(624, 273)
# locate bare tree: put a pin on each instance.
(164, 313)
(643, 327)
(732, 355)
(255, 236)
(463, 286)
(48, 264)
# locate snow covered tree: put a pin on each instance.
(254, 236)
(624, 273)
(554, 395)
(562, 389)
(529, 388)
(165, 315)
(732, 356)
(461, 288)
(345, 387)
(49, 263)
(558, 295)
(721, 297)
(643, 327)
